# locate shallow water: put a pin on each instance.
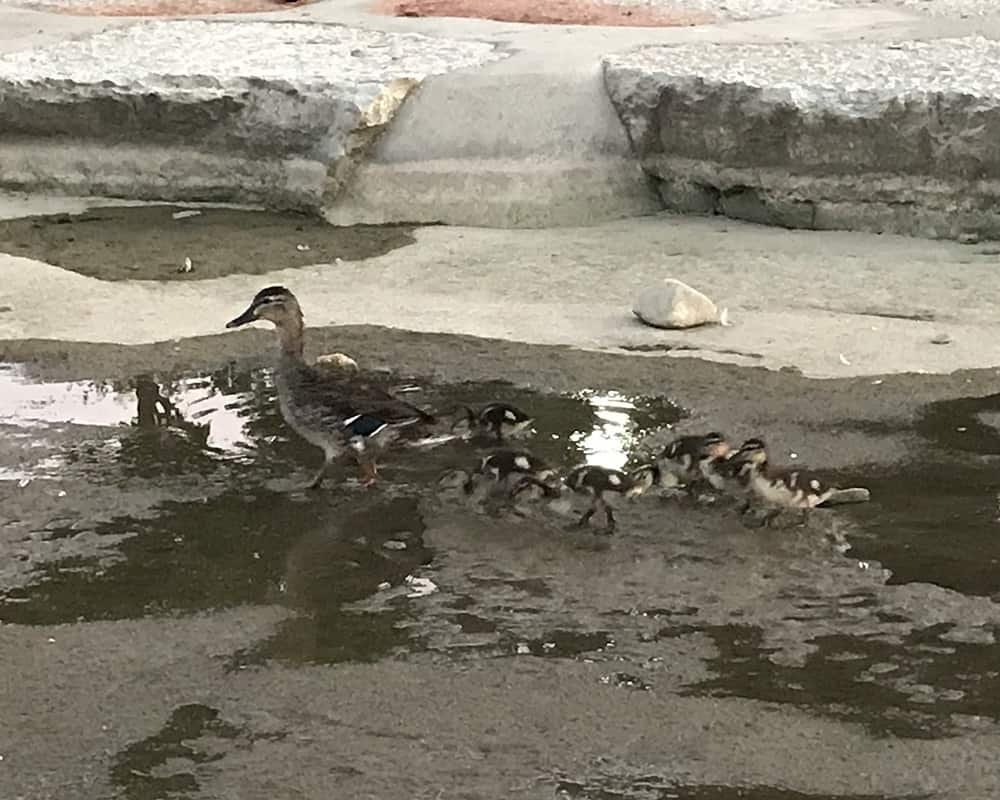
(194, 505)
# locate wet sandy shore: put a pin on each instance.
(183, 623)
(178, 619)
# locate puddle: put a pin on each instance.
(214, 411)
(777, 617)
(167, 764)
(594, 427)
(919, 684)
(150, 243)
(561, 644)
(655, 788)
(934, 523)
(247, 539)
(966, 424)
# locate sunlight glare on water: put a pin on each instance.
(608, 443)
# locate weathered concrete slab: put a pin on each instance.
(505, 147)
(272, 113)
(898, 137)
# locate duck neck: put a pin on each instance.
(290, 338)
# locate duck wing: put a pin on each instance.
(340, 398)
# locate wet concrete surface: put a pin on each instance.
(180, 620)
(150, 242)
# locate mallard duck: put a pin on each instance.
(685, 461)
(785, 488)
(331, 409)
(597, 481)
(499, 420)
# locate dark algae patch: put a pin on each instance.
(149, 243)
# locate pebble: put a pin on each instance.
(941, 338)
(673, 304)
(394, 544)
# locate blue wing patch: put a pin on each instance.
(363, 425)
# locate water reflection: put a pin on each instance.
(610, 441)
(231, 414)
(210, 412)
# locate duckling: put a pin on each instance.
(786, 488)
(500, 420)
(519, 470)
(685, 461)
(597, 481)
(339, 361)
(331, 409)
(723, 473)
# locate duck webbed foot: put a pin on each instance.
(368, 474)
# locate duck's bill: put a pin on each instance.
(515, 428)
(243, 319)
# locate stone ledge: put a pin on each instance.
(292, 101)
(898, 138)
(496, 193)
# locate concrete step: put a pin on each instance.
(496, 193)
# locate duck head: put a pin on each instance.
(276, 305)
(714, 445)
(753, 451)
(644, 478)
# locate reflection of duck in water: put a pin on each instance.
(344, 560)
(332, 409)
(154, 411)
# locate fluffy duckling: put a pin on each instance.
(518, 470)
(499, 420)
(785, 488)
(339, 361)
(330, 408)
(598, 481)
(685, 461)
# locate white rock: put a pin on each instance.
(673, 304)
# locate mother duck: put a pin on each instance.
(333, 411)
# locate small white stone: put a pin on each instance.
(420, 587)
(673, 304)
(522, 462)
